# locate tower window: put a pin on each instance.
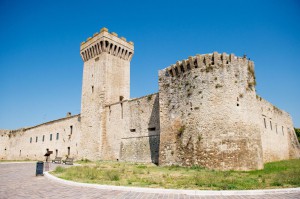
(50, 137)
(31, 140)
(36, 138)
(43, 139)
(71, 130)
(57, 136)
(69, 149)
(265, 122)
(56, 152)
(271, 125)
(92, 89)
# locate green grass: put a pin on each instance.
(281, 174)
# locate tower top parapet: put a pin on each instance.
(105, 41)
(206, 62)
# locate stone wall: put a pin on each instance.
(31, 143)
(279, 141)
(4, 143)
(209, 114)
(134, 129)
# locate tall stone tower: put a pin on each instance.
(106, 79)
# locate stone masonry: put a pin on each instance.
(206, 113)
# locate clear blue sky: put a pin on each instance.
(41, 69)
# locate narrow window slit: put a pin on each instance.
(121, 110)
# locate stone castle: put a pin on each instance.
(206, 113)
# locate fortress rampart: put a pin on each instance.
(206, 62)
(206, 113)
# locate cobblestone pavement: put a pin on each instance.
(18, 180)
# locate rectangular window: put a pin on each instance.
(36, 139)
(43, 138)
(282, 131)
(271, 125)
(69, 151)
(57, 136)
(276, 129)
(151, 129)
(56, 152)
(132, 130)
(265, 123)
(71, 130)
(50, 137)
(31, 140)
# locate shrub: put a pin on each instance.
(149, 97)
(180, 131)
(196, 167)
(276, 183)
(84, 160)
(141, 166)
(112, 175)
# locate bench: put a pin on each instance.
(68, 161)
(57, 160)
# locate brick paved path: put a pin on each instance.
(18, 180)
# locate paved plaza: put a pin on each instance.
(18, 180)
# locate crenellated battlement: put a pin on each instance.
(206, 62)
(106, 42)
